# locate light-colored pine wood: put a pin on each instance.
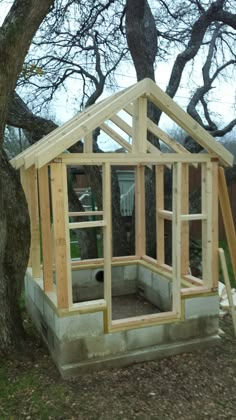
(93, 120)
(165, 214)
(184, 120)
(61, 235)
(160, 226)
(215, 224)
(196, 216)
(88, 143)
(45, 222)
(142, 321)
(24, 177)
(140, 219)
(176, 235)
(139, 137)
(116, 136)
(34, 222)
(228, 287)
(131, 158)
(227, 218)
(185, 224)
(85, 213)
(82, 225)
(207, 224)
(107, 241)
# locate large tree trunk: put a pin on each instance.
(14, 254)
(16, 33)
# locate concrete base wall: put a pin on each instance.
(78, 344)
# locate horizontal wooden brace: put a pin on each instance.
(132, 158)
(81, 225)
(196, 216)
(165, 214)
(85, 213)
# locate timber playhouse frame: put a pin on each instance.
(82, 333)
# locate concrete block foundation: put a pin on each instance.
(78, 343)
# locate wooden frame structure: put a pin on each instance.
(43, 170)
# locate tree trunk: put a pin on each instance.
(14, 254)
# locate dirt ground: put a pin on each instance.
(200, 385)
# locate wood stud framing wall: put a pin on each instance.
(36, 164)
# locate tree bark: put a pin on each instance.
(16, 34)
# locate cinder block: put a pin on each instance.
(48, 313)
(144, 276)
(144, 337)
(130, 272)
(108, 344)
(73, 326)
(201, 306)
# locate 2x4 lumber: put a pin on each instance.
(140, 219)
(24, 177)
(107, 242)
(165, 214)
(115, 136)
(176, 235)
(227, 218)
(141, 321)
(207, 224)
(92, 120)
(196, 216)
(72, 123)
(128, 130)
(185, 224)
(45, 222)
(228, 287)
(184, 120)
(139, 135)
(34, 219)
(61, 235)
(160, 223)
(215, 224)
(81, 225)
(131, 158)
(88, 143)
(85, 213)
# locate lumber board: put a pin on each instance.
(34, 219)
(140, 218)
(131, 158)
(165, 214)
(116, 137)
(215, 225)
(92, 120)
(88, 143)
(142, 321)
(139, 135)
(160, 224)
(176, 235)
(61, 235)
(228, 287)
(207, 224)
(45, 222)
(107, 242)
(85, 213)
(24, 177)
(184, 219)
(227, 218)
(184, 120)
(82, 225)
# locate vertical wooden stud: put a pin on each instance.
(207, 260)
(185, 224)
(45, 223)
(176, 235)
(215, 225)
(88, 143)
(107, 242)
(140, 219)
(160, 226)
(227, 218)
(139, 137)
(61, 235)
(24, 177)
(34, 219)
